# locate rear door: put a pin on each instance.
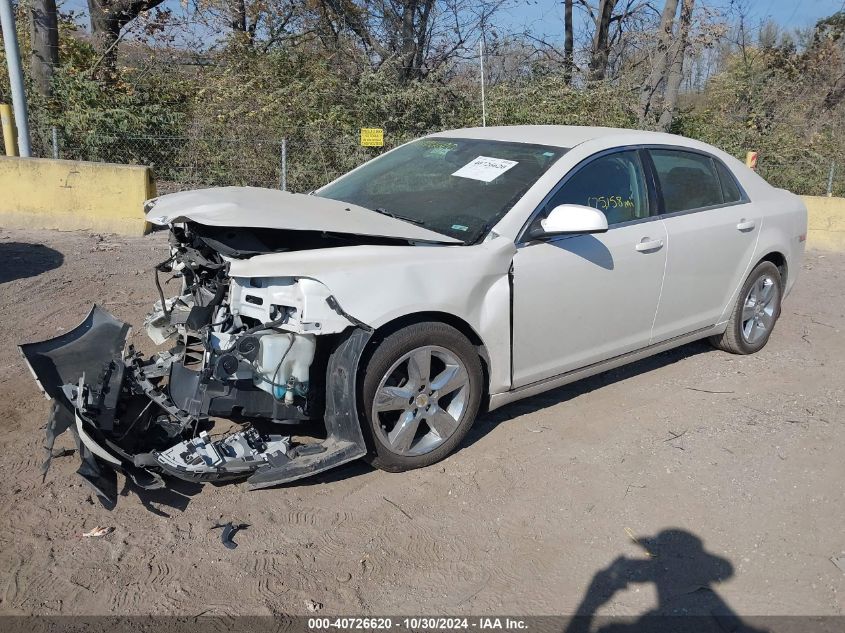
(580, 299)
(712, 230)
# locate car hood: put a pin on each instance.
(271, 209)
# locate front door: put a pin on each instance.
(581, 299)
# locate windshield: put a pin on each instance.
(458, 187)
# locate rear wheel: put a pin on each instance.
(755, 314)
(421, 393)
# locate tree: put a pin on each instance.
(600, 52)
(832, 30)
(568, 42)
(657, 76)
(108, 18)
(238, 20)
(44, 32)
(413, 37)
(676, 67)
(263, 24)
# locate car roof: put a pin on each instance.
(566, 136)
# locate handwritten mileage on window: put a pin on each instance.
(609, 202)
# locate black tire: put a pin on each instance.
(391, 350)
(732, 340)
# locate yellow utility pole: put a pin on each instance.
(8, 120)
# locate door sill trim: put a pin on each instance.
(532, 389)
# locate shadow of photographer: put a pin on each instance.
(684, 575)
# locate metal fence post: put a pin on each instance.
(55, 143)
(830, 179)
(16, 83)
(283, 179)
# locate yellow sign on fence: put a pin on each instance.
(372, 137)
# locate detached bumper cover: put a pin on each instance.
(123, 420)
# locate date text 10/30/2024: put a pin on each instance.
(480, 623)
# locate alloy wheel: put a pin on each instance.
(759, 309)
(420, 400)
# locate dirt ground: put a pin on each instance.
(729, 468)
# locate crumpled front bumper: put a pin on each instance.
(123, 417)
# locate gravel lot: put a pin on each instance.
(728, 469)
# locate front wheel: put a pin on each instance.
(755, 314)
(421, 392)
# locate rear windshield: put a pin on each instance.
(457, 187)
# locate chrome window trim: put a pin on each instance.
(650, 173)
(712, 207)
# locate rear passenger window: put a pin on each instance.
(688, 181)
(730, 190)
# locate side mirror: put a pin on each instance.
(570, 219)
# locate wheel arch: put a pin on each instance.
(779, 260)
(774, 255)
(388, 328)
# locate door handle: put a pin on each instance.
(745, 225)
(648, 245)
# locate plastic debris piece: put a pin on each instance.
(229, 531)
(98, 532)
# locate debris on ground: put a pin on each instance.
(398, 507)
(639, 542)
(674, 435)
(229, 531)
(313, 606)
(98, 532)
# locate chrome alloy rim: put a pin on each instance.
(758, 310)
(421, 400)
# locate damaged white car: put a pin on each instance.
(458, 272)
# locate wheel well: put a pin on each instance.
(442, 317)
(778, 260)
(421, 317)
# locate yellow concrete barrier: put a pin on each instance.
(826, 223)
(41, 193)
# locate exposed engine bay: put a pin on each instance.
(263, 352)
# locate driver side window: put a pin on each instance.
(614, 184)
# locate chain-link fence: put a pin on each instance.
(300, 161)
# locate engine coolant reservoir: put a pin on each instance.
(295, 352)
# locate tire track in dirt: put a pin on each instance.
(425, 557)
(157, 572)
(12, 564)
(267, 571)
(32, 580)
(316, 517)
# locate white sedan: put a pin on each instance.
(455, 273)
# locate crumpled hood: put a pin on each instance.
(272, 209)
